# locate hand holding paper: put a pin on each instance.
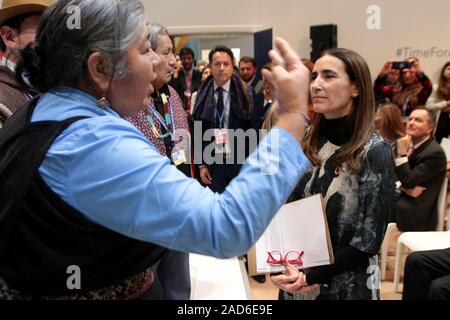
(298, 232)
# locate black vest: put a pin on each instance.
(40, 234)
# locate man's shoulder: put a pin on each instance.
(433, 147)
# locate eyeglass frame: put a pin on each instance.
(297, 262)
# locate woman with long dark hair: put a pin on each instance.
(353, 169)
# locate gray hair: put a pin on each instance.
(156, 31)
(105, 26)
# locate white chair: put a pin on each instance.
(391, 229)
(425, 240)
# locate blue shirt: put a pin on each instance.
(106, 169)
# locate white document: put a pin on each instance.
(216, 279)
(298, 226)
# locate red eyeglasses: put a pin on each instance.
(292, 257)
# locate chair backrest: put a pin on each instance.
(445, 144)
(441, 205)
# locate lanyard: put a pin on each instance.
(167, 123)
(221, 117)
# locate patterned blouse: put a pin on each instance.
(180, 119)
(357, 209)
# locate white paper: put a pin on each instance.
(216, 279)
(298, 226)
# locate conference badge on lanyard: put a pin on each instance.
(221, 139)
(220, 135)
(178, 157)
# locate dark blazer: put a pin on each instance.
(179, 84)
(223, 173)
(426, 167)
(11, 94)
(258, 102)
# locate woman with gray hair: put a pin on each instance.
(89, 204)
(172, 141)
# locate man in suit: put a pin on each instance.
(188, 79)
(18, 24)
(427, 275)
(247, 70)
(421, 168)
(223, 102)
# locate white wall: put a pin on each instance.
(417, 24)
(244, 42)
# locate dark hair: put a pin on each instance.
(431, 115)
(59, 55)
(187, 51)
(221, 49)
(248, 59)
(16, 24)
(442, 91)
(361, 119)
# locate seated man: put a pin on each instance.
(427, 275)
(421, 168)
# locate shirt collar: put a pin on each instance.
(226, 86)
(8, 63)
(417, 145)
(249, 82)
(65, 102)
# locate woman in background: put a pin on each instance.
(389, 124)
(439, 101)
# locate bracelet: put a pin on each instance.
(306, 118)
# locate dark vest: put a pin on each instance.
(40, 234)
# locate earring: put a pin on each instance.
(103, 103)
(355, 94)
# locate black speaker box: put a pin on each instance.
(323, 37)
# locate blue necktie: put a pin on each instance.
(220, 105)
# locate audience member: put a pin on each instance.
(269, 97)
(223, 102)
(85, 192)
(167, 136)
(18, 24)
(201, 65)
(353, 171)
(427, 275)
(206, 72)
(389, 124)
(439, 101)
(421, 168)
(414, 90)
(188, 79)
(248, 72)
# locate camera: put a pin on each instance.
(400, 65)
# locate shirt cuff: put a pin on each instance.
(400, 161)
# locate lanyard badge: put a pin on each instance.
(178, 157)
(167, 122)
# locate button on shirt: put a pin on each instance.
(106, 169)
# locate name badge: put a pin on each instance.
(178, 157)
(221, 136)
